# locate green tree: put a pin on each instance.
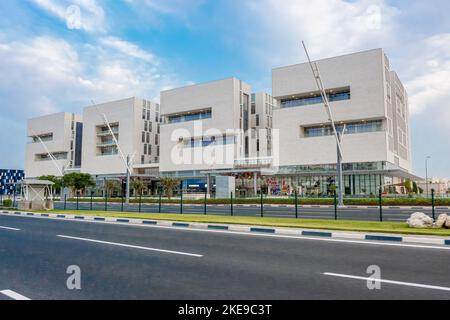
(409, 186)
(169, 184)
(138, 186)
(112, 186)
(56, 180)
(78, 181)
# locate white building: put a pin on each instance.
(219, 131)
(135, 123)
(59, 134)
(368, 99)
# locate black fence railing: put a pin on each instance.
(262, 207)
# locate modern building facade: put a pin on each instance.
(57, 134)
(220, 134)
(370, 108)
(212, 117)
(9, 179)
(135, 123)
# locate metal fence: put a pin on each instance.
(258, 207)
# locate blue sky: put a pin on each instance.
(124, 48)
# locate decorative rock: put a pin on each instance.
(442, 220)
(447, 223)
(420, 220)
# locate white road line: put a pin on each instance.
(132, 246)
(14, 295)
(8, 228)
(363, 242)
(408, 284)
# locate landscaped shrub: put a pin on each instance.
(7, 203)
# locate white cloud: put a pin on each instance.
(47, 75)
(92, 15)
(329, 27)
(429, 85)
(129, 49)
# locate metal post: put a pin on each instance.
(231, 203)
(181, 200)
(121, 203)
(262, 204)
(160, 200)
(380, 203)
(14, 201)
(339, 174)
(106, 200)
(78, 200)
(206, 200)
(433, 203)
(92, 196)
(335, 205)
(128, 181)
(255, 184)
(65, 201)
(296, 205)
(140, 202)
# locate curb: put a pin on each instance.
(413, 239)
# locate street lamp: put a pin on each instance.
(426, 174)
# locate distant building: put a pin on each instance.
(59, 134)
(9, 180)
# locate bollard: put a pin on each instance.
(433, 203)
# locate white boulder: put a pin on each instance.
(442, 221)
(420, 220)
(447, 223)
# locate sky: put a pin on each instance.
(58, 55)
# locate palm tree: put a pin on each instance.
(111, 186)
(138, 186)
(169, 184)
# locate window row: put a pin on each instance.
(191, 116)
(350, 128)
(315, 99)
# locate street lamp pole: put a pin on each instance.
(426, 174)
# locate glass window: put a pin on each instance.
(315, 99)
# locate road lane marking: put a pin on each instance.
(400, 283)
(8, 228)
(14, 295)
(132, 246)
(231, 232)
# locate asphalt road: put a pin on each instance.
(131, 262)
(372, 213)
